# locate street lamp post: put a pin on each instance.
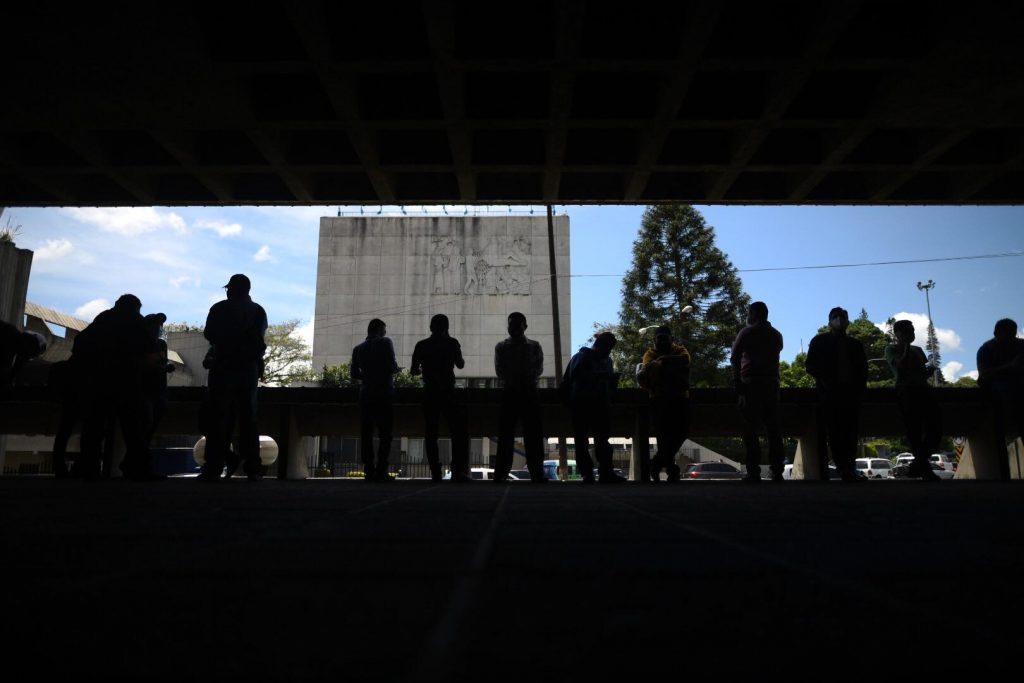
(927, 287)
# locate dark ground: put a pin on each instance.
(412, 581)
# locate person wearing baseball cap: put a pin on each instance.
(235, 329)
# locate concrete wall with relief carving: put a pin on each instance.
(403, 270)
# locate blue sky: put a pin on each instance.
(177, 259)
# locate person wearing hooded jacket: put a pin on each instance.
(666, 377)
(590, 380)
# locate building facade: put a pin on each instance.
(476, 270)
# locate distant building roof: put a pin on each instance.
(56, 317)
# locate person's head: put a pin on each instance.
(1005, 329)
(838, 320)
(663, 338)
(238, 285)
(128, 302)
(903, 330)
(604, 342)
(30, 344)
(376, 328)
(439, 324)
(516, 324)
(757, 312)
(155, 322)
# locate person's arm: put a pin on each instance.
(538, 361)
(499, 368)
(414, 364)
(813, 362)
(391, 356)
(894, 359)
(460, 362)
(735, 359)
(355, 368)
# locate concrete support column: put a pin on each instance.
(984, 459)
(293, 448)
(810, 461)
(640, 461)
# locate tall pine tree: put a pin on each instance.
(676, 264)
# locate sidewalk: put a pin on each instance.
(340, 580)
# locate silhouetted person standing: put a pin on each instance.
(1001, 373)
(374, 365)
(436, 357)
(235, 328)
(519, 363)
(921, 413)
(112, 352)
(591, 379)
(666, 376)
(755, 372)
(840, 369)
(16, 349)
(154, 378)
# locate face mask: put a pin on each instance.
(836, 323)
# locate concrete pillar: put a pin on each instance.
(810, 461)
(640, 460)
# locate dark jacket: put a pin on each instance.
(374, 365)
(437, 356)
(588, 378)
(823, 364)
(235, 327)
(755, 354)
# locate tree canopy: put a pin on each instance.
(676, 264)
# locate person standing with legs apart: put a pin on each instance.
(590, 380)
(519, 363)
(374, 365)
(666, 376)
(755, 371)
(436, 357)
(840, 368)
(920, 411)
(235, 328)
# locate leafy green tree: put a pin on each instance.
(965, 383)
(676, 264)
(288, 357)
(795, 374)
(337, 376)
(341, 376)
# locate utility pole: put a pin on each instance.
(932, 339)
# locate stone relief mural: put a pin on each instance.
(498, 266)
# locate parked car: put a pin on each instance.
(874, 468)
(479, 473)
(902, 471)
(943, 460)
(711, 470)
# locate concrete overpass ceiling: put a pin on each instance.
(459, 102)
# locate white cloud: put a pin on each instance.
(951, 370)
(165, 258)
(949, 340)
(128, 221)
(305, 333)
(53, 250)
(177, 282)
(263, 254)
(91, 309)
(220, 227)
(973, 374)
